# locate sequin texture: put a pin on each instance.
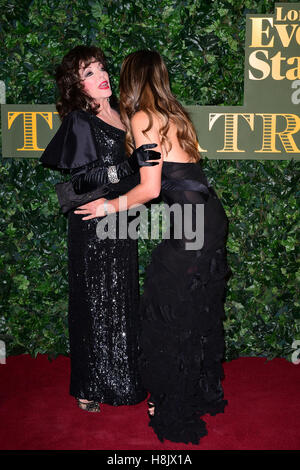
(103, 300)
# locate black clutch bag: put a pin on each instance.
(69, 200)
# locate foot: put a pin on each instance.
(151, 408)
(86, 405)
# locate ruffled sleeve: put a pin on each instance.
(73, 144)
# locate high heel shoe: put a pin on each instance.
(92, 406)
(151, 407)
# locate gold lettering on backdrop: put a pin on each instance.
(271, 92)
(278, 12)
(200, 149)
(259, 64)
(231, 128)
(258, 32)
(276, 60)
(276, 66)
(270, 132)
(292, 15)
(283, 34)
(293, 74)
(30, 126)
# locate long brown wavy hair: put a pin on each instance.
(144, 85)
(72, 95)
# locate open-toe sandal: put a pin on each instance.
(91, 406)
(151, 407)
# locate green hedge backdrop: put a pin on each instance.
(202, 43)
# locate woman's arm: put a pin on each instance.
(150, 177)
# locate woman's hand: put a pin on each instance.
(93, 208)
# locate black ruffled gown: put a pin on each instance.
(103, 273)
(182, 310)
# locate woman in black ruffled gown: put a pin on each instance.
(103, 273)
(182, 308)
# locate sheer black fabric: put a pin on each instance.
(103, 273)
(182, 312)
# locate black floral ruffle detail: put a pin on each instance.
(210, 267)
(183, 346)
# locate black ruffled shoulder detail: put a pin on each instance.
(73, 144)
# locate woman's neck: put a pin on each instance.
(105, 108)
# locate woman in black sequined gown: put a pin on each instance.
(103, 294)
(182, 307)
(103, 273)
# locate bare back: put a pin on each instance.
(176, 154)
(140, 122)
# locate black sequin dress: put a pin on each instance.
(182, 310)
(103, 273)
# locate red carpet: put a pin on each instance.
(37, 412)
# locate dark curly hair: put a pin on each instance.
(69, 83)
